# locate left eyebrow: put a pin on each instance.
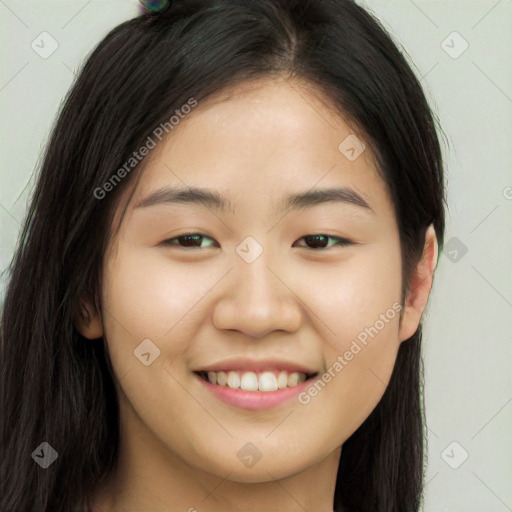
(215, 201)
(327, 195)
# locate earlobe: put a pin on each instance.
(89, 322)
(420, 286)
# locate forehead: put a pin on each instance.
(257, 141)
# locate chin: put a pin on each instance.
(269, 467)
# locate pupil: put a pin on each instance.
(190, 238)
(314, 239)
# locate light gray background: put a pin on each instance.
(468, 329)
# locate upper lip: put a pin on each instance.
(256, 365)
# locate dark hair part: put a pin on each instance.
(57, 386)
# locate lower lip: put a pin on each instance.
(254, 400)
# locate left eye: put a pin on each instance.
(191, 240)
(316, 240)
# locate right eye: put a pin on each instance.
(189, 240)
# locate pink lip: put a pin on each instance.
(255, 366)
(254, 400)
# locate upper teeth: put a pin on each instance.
(251, 381)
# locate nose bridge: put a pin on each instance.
(252, 266)
(257, 282)
(257, 300)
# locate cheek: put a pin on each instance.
(360, 315)
(352, 295)
(147, 297)
(147, 294)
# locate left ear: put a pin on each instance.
(420, 286)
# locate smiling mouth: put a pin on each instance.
(266, 381)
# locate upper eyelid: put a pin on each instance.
(211, 238)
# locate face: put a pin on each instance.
(261, 292)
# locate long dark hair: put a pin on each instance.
(58, 387)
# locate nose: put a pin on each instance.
(257, 298)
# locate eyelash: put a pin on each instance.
(341, 242)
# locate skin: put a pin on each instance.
(205, 304)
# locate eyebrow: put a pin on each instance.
(215, 201)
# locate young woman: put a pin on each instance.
(216, 300)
